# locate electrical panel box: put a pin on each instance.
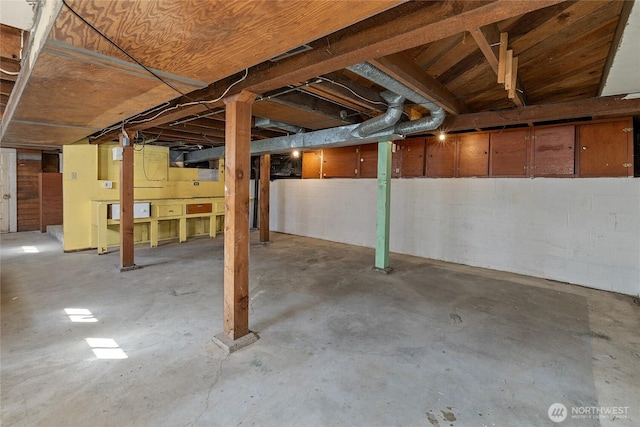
(117, 153)
(140, 210)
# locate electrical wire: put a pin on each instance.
(144, 144)
(187, 104)
(21, 43)
(114, 44)
(11, 73)
(131, 120)
(352, 91)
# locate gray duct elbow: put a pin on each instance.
(383, 121)
(421, 125)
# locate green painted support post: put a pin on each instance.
(384, 207)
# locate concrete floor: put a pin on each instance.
(433, 344)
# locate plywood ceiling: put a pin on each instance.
(447, 51)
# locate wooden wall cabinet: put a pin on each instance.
(441, 158)
(594, 149)
(368, 161)
(340, 162)
(606, 148)
(473, 155)
(554, 151)
(412, 153)
(407, 160)
(311, 161)
(510, 153)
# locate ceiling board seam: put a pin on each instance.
(29, 122)
(64, 50)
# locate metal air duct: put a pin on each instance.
(435, 119)
(383, 121)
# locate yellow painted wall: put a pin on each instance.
(88, 167)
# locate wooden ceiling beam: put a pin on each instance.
(403, 27)
(6, 86)
(174, 135)
(10, 65)
(11, 41)
(192, 130)
(313, 104)
(610, 106)
(428, 56)
(341, 89)
(488, 40)
(406, 71)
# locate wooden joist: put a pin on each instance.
(406, 71)
(610, 106)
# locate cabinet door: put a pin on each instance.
(509, 153)
(473, 155)
(441, 157)
(368, 159)
(554, 151)
(605, 149)
(412, 158)
(341, 162)
(311, 164)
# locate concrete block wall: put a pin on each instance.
(582, 231)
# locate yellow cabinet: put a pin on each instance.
(168, 210)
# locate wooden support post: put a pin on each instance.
(236, 228)
(265, 182)
(384, 207)
(126, 204)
